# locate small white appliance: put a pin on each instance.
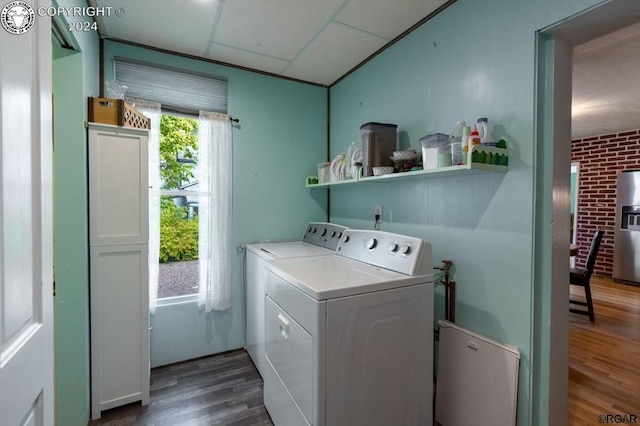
(477, 379)
(319, 239)
(349, 337)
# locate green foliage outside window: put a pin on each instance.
(177, 134)
(178, 232)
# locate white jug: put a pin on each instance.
(355, 164)
(353, 156)
(456, 133)
(338, 168)
(483, 131)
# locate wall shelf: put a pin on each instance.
(459, 170)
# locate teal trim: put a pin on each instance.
(70, 246)
(75, 77)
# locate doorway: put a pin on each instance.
(553, 130)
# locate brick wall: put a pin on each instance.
(600, 158)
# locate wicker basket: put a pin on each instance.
(116, 112)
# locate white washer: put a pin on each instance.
(319, 239)
(350, 336)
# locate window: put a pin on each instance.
(178, 273)
(172, 98)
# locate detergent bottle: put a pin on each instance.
(456, 133)
(474, 138)
(466, 132)
(484, 133)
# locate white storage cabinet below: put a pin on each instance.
(119, 290)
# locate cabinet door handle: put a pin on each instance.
(284, 326)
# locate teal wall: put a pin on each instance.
(75, 77)
(282, 134)
(475, 59)
(70, 247)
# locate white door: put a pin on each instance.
(26, 257)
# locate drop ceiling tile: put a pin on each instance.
(386, 18)
(278, 28)
(334, 52)
(184, 27)
(247, 59)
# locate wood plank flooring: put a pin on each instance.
(604, 357)
(223, 389)
(226, 389)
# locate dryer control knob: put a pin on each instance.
(405, 249)
(393, 247)
(346, 238)
(333, 234)
(324, 232)
(372, 243)
(313, 230)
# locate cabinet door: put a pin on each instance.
(119, 326)
(118, 185)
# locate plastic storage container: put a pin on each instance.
(378, 143)
(435, 148)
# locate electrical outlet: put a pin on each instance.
(377, 212)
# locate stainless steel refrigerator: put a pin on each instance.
(626, 252)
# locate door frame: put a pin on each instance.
(554, 46)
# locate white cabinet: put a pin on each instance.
(119, 290)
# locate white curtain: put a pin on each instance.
(152, 110)
(214, 174)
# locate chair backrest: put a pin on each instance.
(593, 251)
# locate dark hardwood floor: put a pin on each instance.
(223, 389)
(226, 389)
(604, 356)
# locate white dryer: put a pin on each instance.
(319, 239)
(350, 336)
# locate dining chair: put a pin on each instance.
(582, 277)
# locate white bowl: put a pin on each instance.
(403, 155)
(379, 171)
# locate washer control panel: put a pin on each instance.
(323, 234)
(400, 253)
